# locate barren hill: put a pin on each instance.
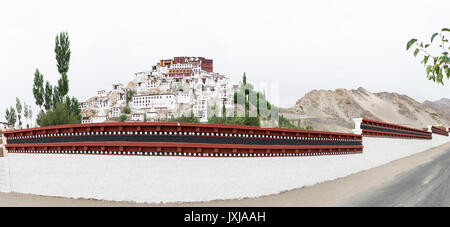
(441, 106)
(335, 110)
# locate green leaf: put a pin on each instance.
(440, 77)
(429, 68)
(445, 59)
(425, 59)
(434, 35)
(445, 30)
(410, 43)
(416, 52)
(427, 45)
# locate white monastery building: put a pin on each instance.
(171, 88)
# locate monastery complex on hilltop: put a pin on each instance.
(172, 87)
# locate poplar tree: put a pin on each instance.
(38, 88)
(30, 113)
(128, 96)
(48, 96)
(62, 51)
(11, 116)
(25, 113)
(19, 111)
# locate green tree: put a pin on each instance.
(224, 109)
(38, 88)
(25, 113)
(30, 113)
(56, 97)
(19, 111)
(39, 116)
(62, 51)
(244, 79)
(48, 96)
(73, 106)
(145, 117)
(128, 96)
(439, 60)
(11, 116)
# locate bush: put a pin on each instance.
(126, 110)
(251, 121)
(285, 123)
(123, 118)
(58, 115)
(191, 119)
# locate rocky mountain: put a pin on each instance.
(441, 106)
(335, 110)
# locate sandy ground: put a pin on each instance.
(330, 193)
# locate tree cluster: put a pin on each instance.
(54, 99)
(14, 115)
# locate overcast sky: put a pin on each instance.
(303, 45)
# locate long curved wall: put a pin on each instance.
(180, 139)
(368, 127)
(159, 178)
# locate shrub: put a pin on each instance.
(123, 118)
(191, 119)
(58, 115)
(251, 121)
(126, 110)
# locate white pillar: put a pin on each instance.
(357, 129)
(429, 128)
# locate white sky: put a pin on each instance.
(303, 45)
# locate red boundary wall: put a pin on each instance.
(438, 130)
(180, 149)
(384, 129)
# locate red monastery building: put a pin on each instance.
(185, 66)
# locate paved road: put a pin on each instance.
(425, 185)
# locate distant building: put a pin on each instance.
(114, 112)
(181, 83)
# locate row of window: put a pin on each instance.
(152, 97)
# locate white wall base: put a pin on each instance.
(4, 175)
(187, 179)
